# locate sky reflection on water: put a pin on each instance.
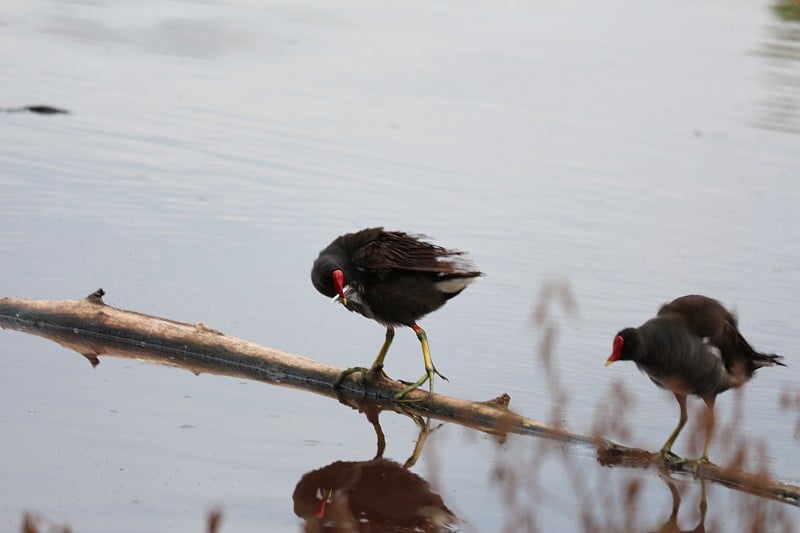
(640, 152)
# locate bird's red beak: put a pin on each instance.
(324, 499)
(338, 284)
(616, 352)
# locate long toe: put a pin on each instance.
(438, 374)
(376, 373)
(695, 463)
(347, 372)
(415, 385)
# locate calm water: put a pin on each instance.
(639, 153)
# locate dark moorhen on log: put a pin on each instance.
(693, 346)
(395, 279)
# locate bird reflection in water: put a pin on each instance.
(374, 495)
(615, 456)
(671, 526)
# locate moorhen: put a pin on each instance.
(395, 279)
(375, 495)
(693, 346)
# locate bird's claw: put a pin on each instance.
(409, 387)
(674, 460)
(704, 461)
(429, 373)
(668, 456)
(352, 370)
(373, 374)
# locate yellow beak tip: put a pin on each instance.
(609, 362)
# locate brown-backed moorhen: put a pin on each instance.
(693, 346)
(395, 279)
(367, 496)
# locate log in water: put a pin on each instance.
(92, 328)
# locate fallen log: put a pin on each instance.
(92, 328)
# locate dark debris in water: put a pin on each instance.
(38, 109)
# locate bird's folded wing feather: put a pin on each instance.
(401, 251)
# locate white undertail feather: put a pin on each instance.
(453, 285)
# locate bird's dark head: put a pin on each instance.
(328, 278)
(625, 347)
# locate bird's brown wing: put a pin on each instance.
(708, 318)
(395, 250)
(704, 316)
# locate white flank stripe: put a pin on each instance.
(711, 348)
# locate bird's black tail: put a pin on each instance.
(767, 359)
(742, 352)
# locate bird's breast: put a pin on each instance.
(357, 302)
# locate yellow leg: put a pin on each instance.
(709, 426)
(377, 366)
(703, 505)
(666, 450)
(430, 370)
(424, 429)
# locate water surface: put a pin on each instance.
(638, 152)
